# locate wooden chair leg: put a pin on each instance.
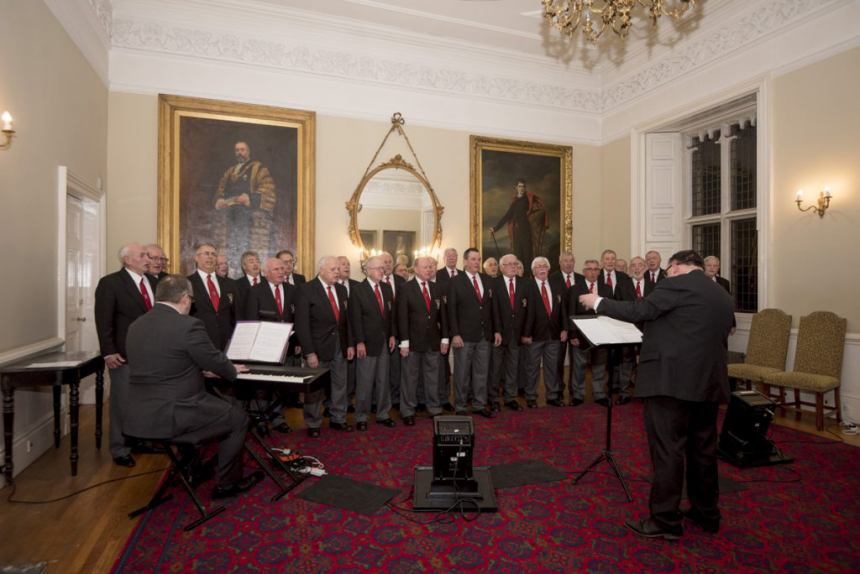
(819, 411)
(838, 401)
(797, 413)
(782, 400)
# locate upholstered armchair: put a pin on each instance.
(767, 348)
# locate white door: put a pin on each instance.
(74, 272)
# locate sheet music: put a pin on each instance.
(271, 342)
(608, 331)
(242, 341)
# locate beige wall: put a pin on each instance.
(59, 108)
(615, 197)
(816, 142)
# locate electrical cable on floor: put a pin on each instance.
(77, 492)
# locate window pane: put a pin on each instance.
(745, 265)
(706, 176)
(706, 239)
(743, 166)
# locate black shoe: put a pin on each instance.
(387, 423)
(314, 432)
(326, 413)
(622, 401)
(408, 421)
(461, 414)
(448, 407)
(706, 524)
(126, 461)
(487, 413)
(514, 406)
(283, 427)
(556, 403)
(576, 402)
(361, 426)
(648, 529)
(239, 487)
(604, 402)
(421, 408)
(345, 427)
(350, 409)
(531, 404)
(495, 407)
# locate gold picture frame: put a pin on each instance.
(199, 165)
(495, 166)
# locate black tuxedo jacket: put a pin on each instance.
(468, 317)
(619, 278)
(558, 281)
(574, 307)
(539, 325)
(626, 290)
(685, 345)
(422, 328)
(509, 321)
(316, 326)
(367, 324)
(243, 288)
(118, 303)
(220, 324)
(262, 306)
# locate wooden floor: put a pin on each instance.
(86, 533)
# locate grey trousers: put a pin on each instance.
(598, 373)
(371, 387)
(546, 351)
(429, 364)
(339, 398)
(232, 427)
(445, 378)
(565, 349)
(623, 371)
(351, 377)
(118, 391)
(503, 377)
(522, 376)
(471, 369)
(394, 375)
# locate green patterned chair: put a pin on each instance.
(817, 365)
(767, 348)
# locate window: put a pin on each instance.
(722, 202)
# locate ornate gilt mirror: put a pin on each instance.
(394, 207)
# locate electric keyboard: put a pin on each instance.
(284, 379)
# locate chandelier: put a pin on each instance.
(567, 15)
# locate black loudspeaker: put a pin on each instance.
(743, 440)
(453, 443)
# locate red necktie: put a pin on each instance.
(511, 291)
(591, 288)
(145, 294)
(453, 272)
(638, 291)
(477, 289)
(255, 280)
(213, 292)
(278, 300)
(568, 281)
(333, 305)
(379, 298)
(545, 296)
(426, 296)
(609, 280)
(653, 277)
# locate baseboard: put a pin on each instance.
(40, 435)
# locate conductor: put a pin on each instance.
(683, 378)
(168, 354)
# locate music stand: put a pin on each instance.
(606, 454)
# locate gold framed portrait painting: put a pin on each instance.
(521, 199)
(239, 176)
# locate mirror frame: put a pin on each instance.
(353, 206)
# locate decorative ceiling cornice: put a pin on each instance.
(103, 11)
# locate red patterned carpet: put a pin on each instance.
(806, 526)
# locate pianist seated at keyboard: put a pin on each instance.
(168, 352)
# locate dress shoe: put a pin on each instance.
(361, 426)
(648, 529)
(556, 402)
(514, 406)
(238, 487)
(531, 404)
(461, 414)
(521, 393)
(495, 407)
(283, 427)
(622, 401)
(126, 461)
(487, 412)
(387, 423)
(345, 427)
(448, 407)
(314, 432)
(604, 402)
(706, 524)
(575, 402)
(409, 421)
(204, 473)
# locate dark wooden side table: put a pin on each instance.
(17, 375)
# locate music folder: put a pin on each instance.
(259, 342)
(602, 331)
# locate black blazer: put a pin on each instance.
(154, 279)
(422, 328)
(685, 344)
(316, 326)
(509, 320)
(443, 279)
(118, 303)
(661, 274)
(574, 307)
(366, 323)
(468, 317)
(626, 290)
(539, 325)
(262, 306)
(619, 279)
(243, 288)
(724, 283)
(557, 281)
(298, 279)
(219, 325)
(352, 284)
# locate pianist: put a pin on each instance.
(168, 353)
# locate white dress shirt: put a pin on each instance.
(214, 276)
(136, 278)
(540, 284)
(471, 282)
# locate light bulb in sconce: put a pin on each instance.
(7, 122)
(799, 195)
(827, 192)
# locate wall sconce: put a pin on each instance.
(7, 131)
(823, 201)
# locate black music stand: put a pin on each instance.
(606, 454)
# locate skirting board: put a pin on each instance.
(40, 434)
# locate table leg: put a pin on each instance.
(58, 390)
(74, 407)
(100, 399)
(8, 424)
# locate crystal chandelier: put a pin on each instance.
(567, 15)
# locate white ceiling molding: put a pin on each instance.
(88, 23)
